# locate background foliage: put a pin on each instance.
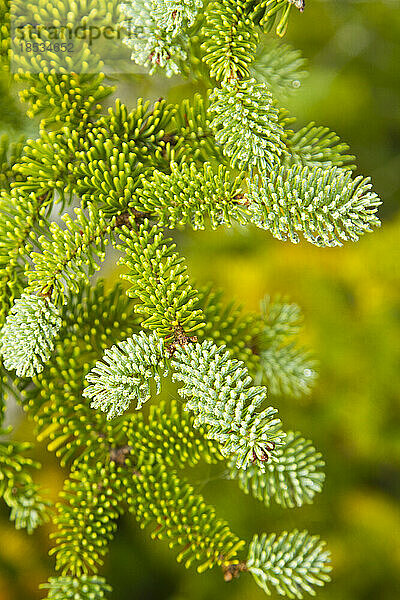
(351, 301)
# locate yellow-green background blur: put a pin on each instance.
(351, 301)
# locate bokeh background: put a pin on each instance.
(351, 301)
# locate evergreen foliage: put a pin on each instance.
(155, 32)
(179, 515)
(281, 320)
(21, 494)
(173, 15)
(55, 402)
(193, 196)
(27, 337)
(284, 366)
(71, 101)
(292, 563)
(273, 13)
(221, 396)
(170, 436)
(288, 369)
(10, 152)
(112, 155)
(226, 157)
(230, 40)
(292, 480)
(327, 206)
(217, 387)
(165, 436)
(24, 219)
(74, 588)
(226, 323)
(280, 66)
(86, 518)
(69, 255)
(192, 135)
(160, 281)
(44, 167)
(247, 125)
(124, 374)
(316, 146)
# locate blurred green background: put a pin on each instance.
(351, 301)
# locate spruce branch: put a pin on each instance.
(27, 337)
(287, 370)
(230, 40)
(280, 66)
(28, 508)
(192, 134)
(317, 146)
(217, 389)
(150, 42)
(268, 13)
(284, 366)
(123, 374)
(281, 320)
(219, 393)
(171, 437)
(69, 90)
(175, 15)
(45, 165)
(69, 255)
(292, 563)
(76, 588)
(193, 196)
(101, 162)
(135, 171)
(179, 515)
(71, 99)
(107, 176)
(246, 124)
(86, 518)
(227, 324)
(161, 283)
(166, 436)
(327, 206)
(23, 219)
(117, 149)
(292, 480)
(142, 128)
(62, 418)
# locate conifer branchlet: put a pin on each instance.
(225, 157)
(27, 337)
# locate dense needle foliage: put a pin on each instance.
(226, 158)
